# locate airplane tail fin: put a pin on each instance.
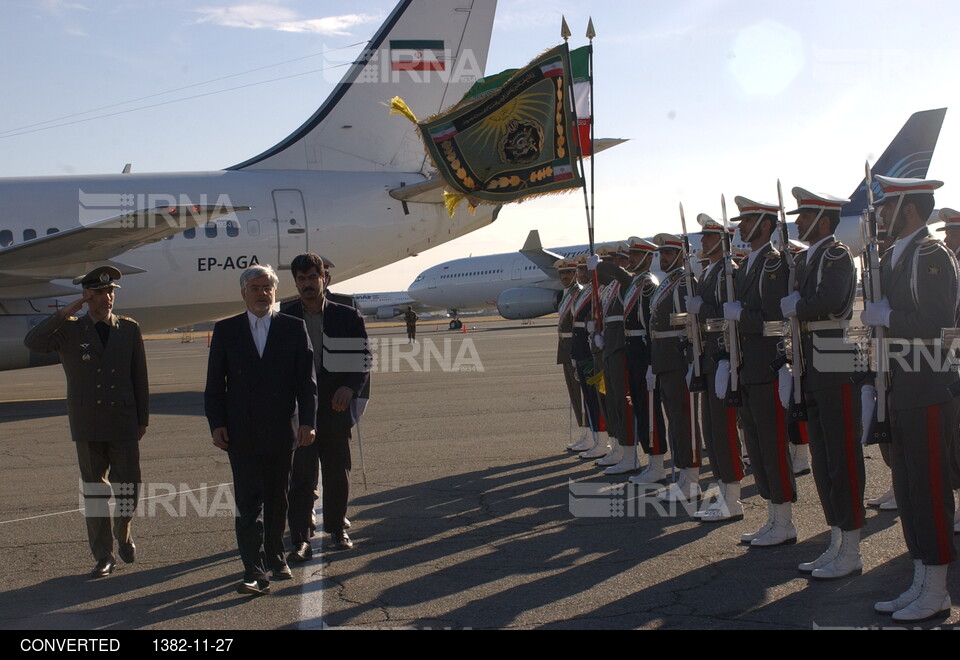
(907, 156)
(428, 52)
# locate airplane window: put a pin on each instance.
(52, 230)
(253, 227)
(29, 234)
(190, 233)
(6, 238)
(233, 229)
(210, 229)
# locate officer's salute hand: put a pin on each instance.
(220, 438)
(76, 305)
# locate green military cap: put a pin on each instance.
(103, 277)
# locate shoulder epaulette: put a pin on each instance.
(836, 251)
(127, 319)
(930, 246)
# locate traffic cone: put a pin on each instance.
(463, 328)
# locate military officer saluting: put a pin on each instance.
(107, 403)
(823, 303)
(761, 282)
(719, 420)
(919, 281)
(567, 269)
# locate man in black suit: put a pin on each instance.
(341, 358)
(260, 400)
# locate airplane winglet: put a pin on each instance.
(542, 259)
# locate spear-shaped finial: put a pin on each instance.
(591, 33)
(565, 29)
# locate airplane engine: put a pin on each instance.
(13, 354)
(384, 313)
(528, 302)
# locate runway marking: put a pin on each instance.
(311, 591)
(142, 499)
(56, 398)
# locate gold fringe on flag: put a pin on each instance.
(451, 201)
(399, 107)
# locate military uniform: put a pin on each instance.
(107, 404)
(565, 343)
(823, 303)
(580, 353)
(919, 278)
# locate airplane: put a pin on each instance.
(385, 306)
(525, 285)
(352, 183)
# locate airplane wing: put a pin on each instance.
(543, 259)
(26, 269)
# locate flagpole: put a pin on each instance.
(591, 34)
(566, 34)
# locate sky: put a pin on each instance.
(715, 96)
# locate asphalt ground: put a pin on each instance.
(470, 516)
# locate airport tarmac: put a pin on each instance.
(466, 518)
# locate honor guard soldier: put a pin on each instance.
(567, 269)
(761, 282)
(826, 283)
(107, 403)
(951, 229)
(919, 284)
(586, 367)
(648, 420)
(719, 421)
(670, 365)
(616, 374)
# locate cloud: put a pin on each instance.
(274, 17)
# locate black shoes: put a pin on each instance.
(281, 572)
(127, 552)
(103, 568)
(254, 588)
(342, 542)
(301, 554)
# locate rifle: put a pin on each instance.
(881, 430)
(699, 382)
(734, 399)
(798, 409)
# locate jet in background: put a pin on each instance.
(352, 183)
(524, 284)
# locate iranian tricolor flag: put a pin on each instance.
(580, 69)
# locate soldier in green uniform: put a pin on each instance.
(107, 403)
(826, 283)
(919, 281)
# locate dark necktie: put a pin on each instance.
(104, 331)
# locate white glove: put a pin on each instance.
(694, 303)
(785, 385)
(868, 405)
(722, 379)
(598, 340)
(788, 305)
(591, 327)
(651, 380)
(877, 314)
(732, 310)
(689, 376)
(592, 262)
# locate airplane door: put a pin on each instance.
(517, 272)
(291, 222)
(432, 283)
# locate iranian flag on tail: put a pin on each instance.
(580, 69)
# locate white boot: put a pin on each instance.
(585, 442)
(889, 505)
(933, 600)
(800, 457)
(729, 506)
(877, 501)
(686, 489)
(599, 450)
(712, 500)
(835, 536)
(629, 462)
(782, 533)
(613, 456)
(771, 521)
(654, 473)
(908, 596)
(848, 560)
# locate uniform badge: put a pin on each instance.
(85, 352)
(933, 270)
(774, 276)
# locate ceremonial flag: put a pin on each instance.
(511, 137)
(580, 69)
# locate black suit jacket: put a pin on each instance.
(261, 401)
(345, 354)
